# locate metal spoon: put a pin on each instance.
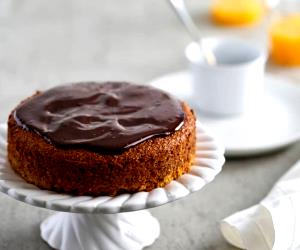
(180, 9)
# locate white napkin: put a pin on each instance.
(274, 223)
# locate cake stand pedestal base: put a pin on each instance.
(126, 231)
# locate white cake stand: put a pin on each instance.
(92, 223)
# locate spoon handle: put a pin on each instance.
(180, 9)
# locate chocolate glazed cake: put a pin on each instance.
(101, 138)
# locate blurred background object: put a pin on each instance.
(285, 33)
(237, 12)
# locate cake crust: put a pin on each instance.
(148, 165)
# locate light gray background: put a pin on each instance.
(44, 43)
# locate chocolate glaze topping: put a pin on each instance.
(106, 118)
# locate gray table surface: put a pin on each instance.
(44, 43)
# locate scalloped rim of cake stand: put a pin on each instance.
(208, 163)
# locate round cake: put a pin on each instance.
(101, 138)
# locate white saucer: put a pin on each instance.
(273, 125)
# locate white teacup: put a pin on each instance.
(235, 84)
